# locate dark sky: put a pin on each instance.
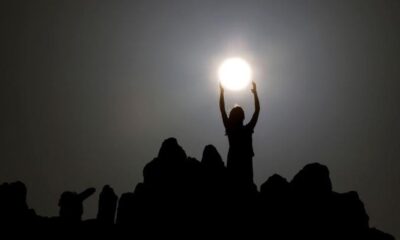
(89, 89)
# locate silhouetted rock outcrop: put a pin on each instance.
(313, 179)
(71, 206)
(180, 192)
(107, 206)
(126, 209)
(13, 206)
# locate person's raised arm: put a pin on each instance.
(222, 106)
(254, 119)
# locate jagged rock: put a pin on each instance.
(179, 192)
(313, 179)
(71, 205)
(107, 205)
(275, 185)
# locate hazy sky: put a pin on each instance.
(89, 90)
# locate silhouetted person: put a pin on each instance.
(71, 205)
(107, 205)
(240, 155)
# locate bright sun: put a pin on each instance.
(234, 73)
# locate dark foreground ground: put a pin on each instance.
(181, 193)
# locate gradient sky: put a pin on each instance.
(89, 90)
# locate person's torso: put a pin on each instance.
(240, 140)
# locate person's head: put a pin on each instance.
(236, 116)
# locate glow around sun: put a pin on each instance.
(234, 74)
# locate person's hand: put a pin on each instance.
(254, 89)
(221, 88)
